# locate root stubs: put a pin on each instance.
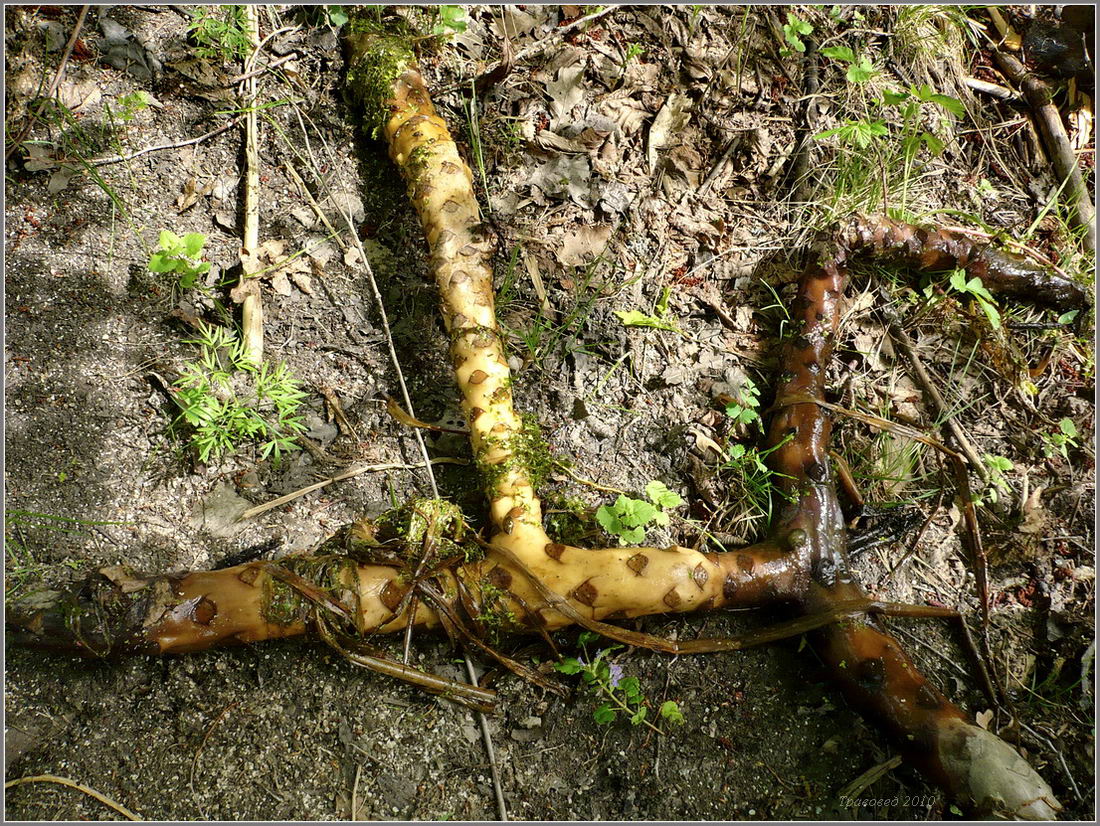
(425, 570)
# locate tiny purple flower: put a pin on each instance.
(616, 674)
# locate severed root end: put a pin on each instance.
(991, 776)
(931, 249)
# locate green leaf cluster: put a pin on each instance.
(226, 399)
(628, 518)
(219, 32)
(131, 104)
(181, 256)
(451, 21)
(859, 132)
(636, 318)
(862, 132)
(794, 29)
(860, 69)
(974, 287)
(746, 409)
(622, 695)
(1060, 442)
(750, 476)
(337, 16)
(997, 466)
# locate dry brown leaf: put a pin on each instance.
(565, 92)
(583, 245)
(280, 283)
(1034, 514)
(1080, 120)
(191, 194)
(244, 288)
(566, 176)
(512, 22)
(691, 226)
(875, 349)
(627, 113)
(672, 118)
(906, 398)
(553, 142)
(275, 267)
(302, 282)
(80, 96)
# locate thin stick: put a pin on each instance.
(174, 145)
(972, 541)
(867, 418)
(1059, 149)
(857, 786)
(494, 769)
(355, 792)
(588, 482)
(316, 207)
(377, 295)
(256, 72)
(471, 696)
(69, 46)
(206, 737)
(550, 39)
(1058, 753)
(942, 412)
(991, 89)
(339, 477)
(72, 784)
(252, 313)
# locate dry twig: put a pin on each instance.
(80, 787)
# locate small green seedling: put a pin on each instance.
(181, 256)
(998, 466)
(909, 103)
(859, 133)
(227, 400)
(337, 16)
(1060, 442)
(633, 50)
(220, 31)
(860, 69)
(627, 518)
(636, 318)
(749, 474)
(131, 104)
(451, 21)
(974, 287)
(794, 30)
(623, 694)
(862, 133)
(746, 409)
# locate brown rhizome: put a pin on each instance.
(356, 586)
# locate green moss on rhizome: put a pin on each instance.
(376, 59)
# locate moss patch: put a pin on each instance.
(529, 452)
(376, 60)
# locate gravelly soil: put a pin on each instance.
(288, 730)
